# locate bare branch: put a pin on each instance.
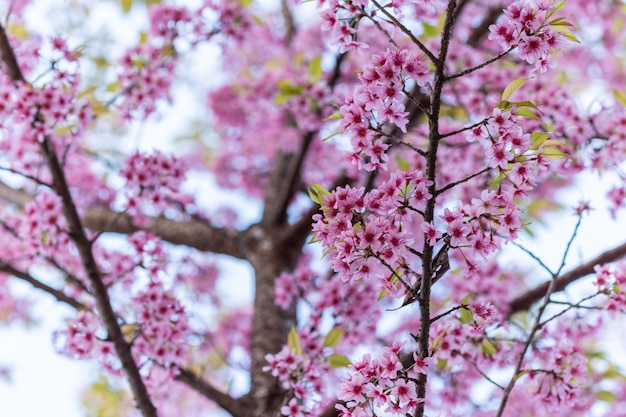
(525, 301)
(83, 245)
(193, 233)
(407, 32)
(234, 406)
(58, 294)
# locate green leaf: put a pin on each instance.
(569, 35)
(333, 337)
(315, 68)
(335, 116)
(442, 364)
(439, 338)
(538, 138)
(512, 88)
(560, 21)
(403, 164)
(606, 396)
(287, 90)
(620, 97)
(382, 294)
(293, 341)
(553, 153)
(507, 105)
(316, 191)
(126, 5)
(338, 361)
(526, 112)
(466, 316)
(332, 135)
(488, 348)
(497, 181)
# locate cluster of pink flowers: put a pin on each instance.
(379, 99)
(304, 374)
(558, 371)
(82, 336)
(146, 79)
(527, 26)
(162, 326)
(159, 334)
(363, 232)
(611, 281)
(153, 182)
(307, 374)
(32, 113)
(40, 225)
(381, 384)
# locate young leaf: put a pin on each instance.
(512, 88)
(538, 138)
(488, 348)
(335, 116)
(333, 337)
(315, 68)
(338, 361)
(466, 316)
(332, 135)
(620, 97)
(126, 5)
(293, 341)
(526, 112)
(553, 153)
(569, 35)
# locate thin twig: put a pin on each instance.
(535, 257)
(407, 32)
(484, 64)
(445, 313)
(484, 375)
(461, 181)
(463, 129)
(570, 307)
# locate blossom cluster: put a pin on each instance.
(381, 384)
(378, 99)
(40, 226)
(362, 232)
(162, 326)
(527, 26)
(159, 334)
(304, 372)
(153, 182)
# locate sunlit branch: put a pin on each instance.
(407, 32)
(535, 257)
(525, 301)
(482, 65)
(537, 325)
(447, 312)
(463, 129)
(484, 375)
(234, 406)
(57, 294)
(571, 306)
(194, 233)
(380, 28)
(461, 181)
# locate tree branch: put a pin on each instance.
(83, 245)
(234, 406)
(525, 301)
(193, 233)
(58, 294)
